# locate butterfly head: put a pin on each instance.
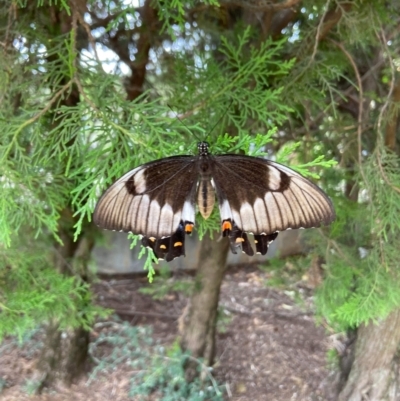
(203, 148)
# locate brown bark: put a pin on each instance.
(64, 354)
(332, 18)
(372, 367)
(199, 332)
(134, 84)
(391, 127)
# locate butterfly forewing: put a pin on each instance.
(152, 199)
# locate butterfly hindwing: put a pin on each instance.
(167, 248)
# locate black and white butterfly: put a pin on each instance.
(158, 200)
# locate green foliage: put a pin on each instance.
(236, 88)
(79, 150)
(361, 282)
(363, 291)
(167, 376)
(150, 258)
(174, 13)
(333, 359)
(129, 345)
(381, 175)
(154, 368)
(286, 152)
(31, 386)
(34, 292)
(3, 384)
(224, 319)
(257, 65)
(227, 83)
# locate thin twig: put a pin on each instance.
(35, 117)
(264, 6)
(205, 369)
(360, 98)
(383, 40)
(11, 18)
(317, 37)
(91, 39)
(82, 92)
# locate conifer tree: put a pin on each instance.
(303, 78)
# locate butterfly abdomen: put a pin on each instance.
(205, 197)
(205, 190)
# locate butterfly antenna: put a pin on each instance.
(175, 113)
(182, 122)
(221, 118)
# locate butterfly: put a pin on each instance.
(158, 201)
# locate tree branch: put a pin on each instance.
(264, 5)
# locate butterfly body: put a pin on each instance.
(158, 201)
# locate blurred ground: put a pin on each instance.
(268, 347)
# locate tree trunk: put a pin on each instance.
(372, 376)
(63, 357)
(199, 329)
(64, 354)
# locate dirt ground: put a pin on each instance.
(268, 346)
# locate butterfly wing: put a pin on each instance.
(156, 200)
(264, 197)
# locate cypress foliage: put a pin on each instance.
(298, 92)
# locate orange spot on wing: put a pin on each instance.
(163, 247)
(239, 239)
(226, 225)
(178, 244)
(188, 228)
